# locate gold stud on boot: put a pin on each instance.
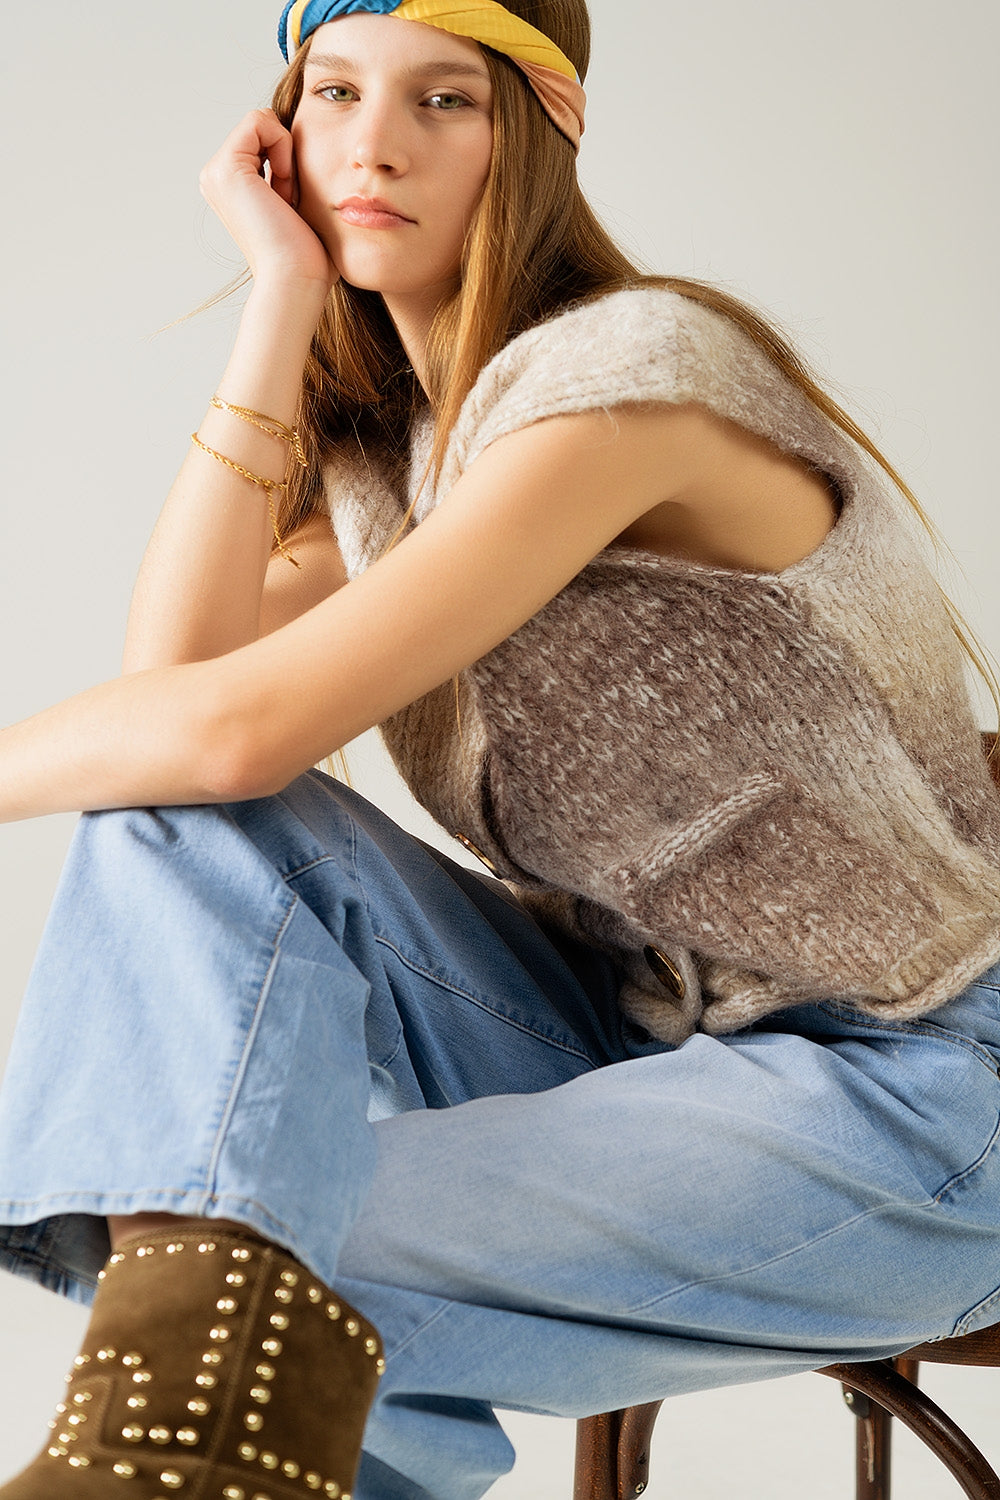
(213, 1363)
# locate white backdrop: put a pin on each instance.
(834, 164)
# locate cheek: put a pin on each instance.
(465, 184)
(310, 167)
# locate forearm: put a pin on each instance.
(149, 738)
(199, 588)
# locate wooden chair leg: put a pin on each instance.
(873, 1438)
(633, 1449)
(596, 1475)
(922, 1416)
(872, 1446)
(612, 1453)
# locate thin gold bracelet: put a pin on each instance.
(267, 485)
(263, 423)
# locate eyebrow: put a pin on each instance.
(329, 61)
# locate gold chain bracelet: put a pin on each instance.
(267, 485)
(263, 423)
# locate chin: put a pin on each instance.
(368, 280)
(392, 288)
(393, 280)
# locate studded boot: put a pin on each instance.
(215, 1367)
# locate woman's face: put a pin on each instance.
(399, 112)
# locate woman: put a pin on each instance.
(675, 1105)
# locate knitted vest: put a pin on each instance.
(775, 780)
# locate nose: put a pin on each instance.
(380, 142)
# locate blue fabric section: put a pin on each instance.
(282, 30)
(321, 11)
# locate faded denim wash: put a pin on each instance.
(291, 1013)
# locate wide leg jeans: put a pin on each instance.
(291, 1013)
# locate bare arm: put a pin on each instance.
(526, 516)
(199, 590)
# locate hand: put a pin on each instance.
(250, 184)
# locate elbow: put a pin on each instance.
(236, 754)
(236, 767)
(236, 779)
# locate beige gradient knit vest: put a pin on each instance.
(773, 780)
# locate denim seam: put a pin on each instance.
(816, 1239)
(312, 864)
(438, 1312)
(961, 1176)
(928, 1029)
(426, 973)
(387, 1062)
(52, 1268)
(987, 1302)
(328, 859)
(25, 1256)
(46, 1273)
(108, 1200)
(211, 1183)
(771, 1260)
(480, 1004)
(352, 829)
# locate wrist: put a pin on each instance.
(298, 299)
(272, 344)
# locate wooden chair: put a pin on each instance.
(612, 1450)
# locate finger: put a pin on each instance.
(259, 136)
(281, 173)
(273, 140)
(277, 151)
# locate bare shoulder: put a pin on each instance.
(738, 501)
(290, 591)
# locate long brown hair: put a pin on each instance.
(534, 246)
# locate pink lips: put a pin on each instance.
(371, 213)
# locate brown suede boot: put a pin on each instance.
(214, 1367)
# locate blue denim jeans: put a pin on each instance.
(290, 1013)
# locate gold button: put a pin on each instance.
(483, 858)
(666, 971)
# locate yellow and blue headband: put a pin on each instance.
(548, 70)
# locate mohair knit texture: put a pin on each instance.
(774, 778)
